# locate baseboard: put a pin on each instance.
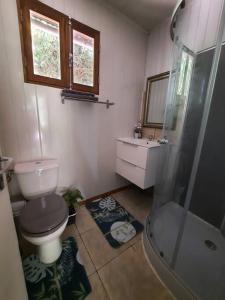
(83, 202)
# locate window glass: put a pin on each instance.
(185, 74)
(83, 59)
(45, 46)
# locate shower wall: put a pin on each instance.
(208, 200)
(190, 132)
(208, 196)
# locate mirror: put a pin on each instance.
(155, 100)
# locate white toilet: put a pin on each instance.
(45, 215)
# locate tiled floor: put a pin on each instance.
(121, 273)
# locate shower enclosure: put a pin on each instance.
(185, 231)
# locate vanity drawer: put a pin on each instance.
(134, 154)
(131, 172)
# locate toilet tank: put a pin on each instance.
(37, 178)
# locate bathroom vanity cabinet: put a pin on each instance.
(137, 160)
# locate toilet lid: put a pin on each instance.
(40, 216)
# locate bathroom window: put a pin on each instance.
(45, 44)
(186, 67)
(56, 51)
(85, 49)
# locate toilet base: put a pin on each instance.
(49, 252)
(49, 245)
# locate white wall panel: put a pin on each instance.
(198, 24)
(18, 114)
(35, 124)
(196, 27)
(159, 53)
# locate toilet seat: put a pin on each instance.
(43, 216)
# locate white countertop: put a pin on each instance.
(139, 142)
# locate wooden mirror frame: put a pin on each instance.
(147, 103)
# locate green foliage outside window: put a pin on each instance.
(83, 65)
(46, 55)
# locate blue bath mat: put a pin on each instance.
(66, 279)
(117, 225)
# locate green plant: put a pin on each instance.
(72, 197)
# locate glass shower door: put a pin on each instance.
(199, 256)
(176, 231)
(167, 212)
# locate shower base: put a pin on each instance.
(199, 270)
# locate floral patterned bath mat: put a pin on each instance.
(66, 279)
(117, 225)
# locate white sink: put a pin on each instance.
(139, 142)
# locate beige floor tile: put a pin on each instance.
(98, 291)
(85, 258)
(133, 198)
(138, 248)
(140, 211)
(70, 230)
(136, 239)
(124, 272)
(129, 277)
(84, 221)
(98, 247)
